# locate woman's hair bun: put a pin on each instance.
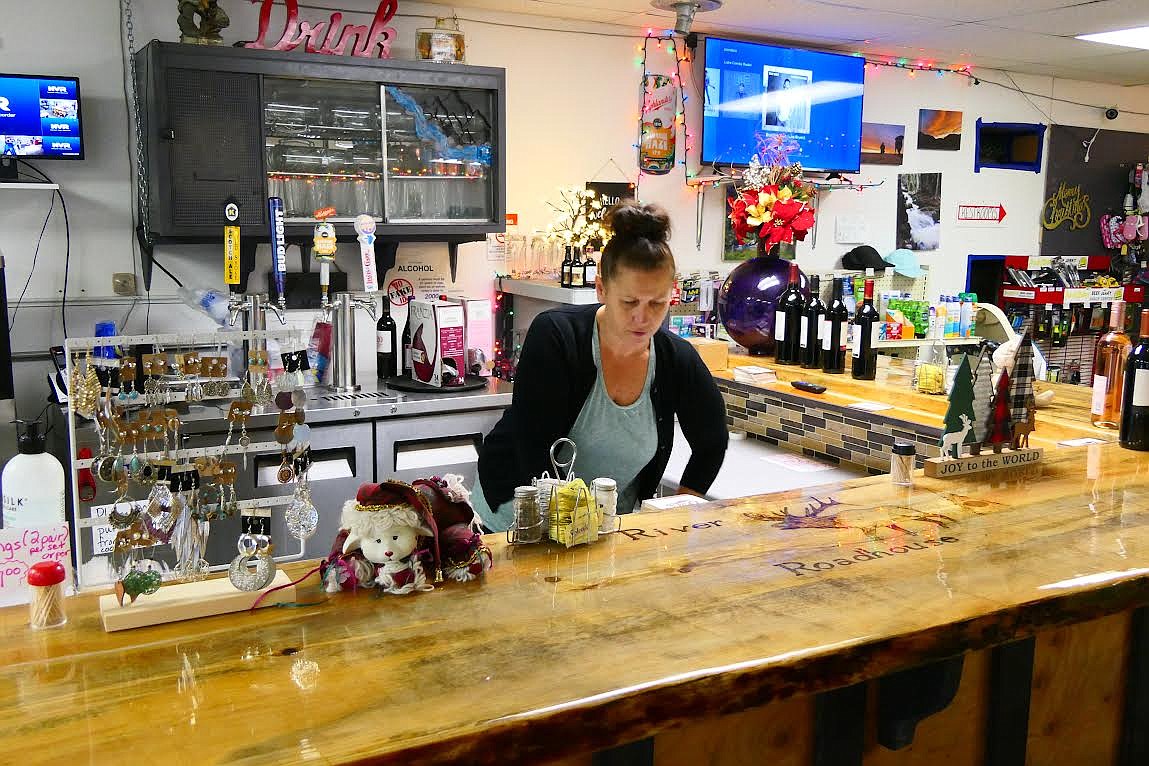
(631, 220)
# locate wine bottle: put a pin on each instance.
(865, 363)
(589, 270)
(788, 321)
(576, 268)
(565, 279)
(385, 339)
(812, 315)
(1108, 371)
(407, 344)
(834, 330)
(1134, 433)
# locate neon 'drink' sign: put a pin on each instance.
(329, 36)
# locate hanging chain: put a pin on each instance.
(142, 197)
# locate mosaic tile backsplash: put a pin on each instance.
(840, 435)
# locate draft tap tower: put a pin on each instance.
(239, 262)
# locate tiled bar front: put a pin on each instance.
(841, 435)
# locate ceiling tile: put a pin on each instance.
(1079, 19)
(982, 40)
(964, 10)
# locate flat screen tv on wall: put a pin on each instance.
(754, 90)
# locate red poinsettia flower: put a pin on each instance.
(785, 210)
(802, 223)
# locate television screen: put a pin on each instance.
(40, 117)
(755, 90)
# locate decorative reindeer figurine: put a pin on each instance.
(952, 442)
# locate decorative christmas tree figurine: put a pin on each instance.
(982, 399)
(1021, 388)
(958, 427)
(1000, 425)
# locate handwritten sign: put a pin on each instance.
(1069, 204)
(21, 548)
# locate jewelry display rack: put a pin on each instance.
(81, 517)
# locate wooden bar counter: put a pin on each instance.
(796, 628)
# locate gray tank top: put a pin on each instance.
(615, 441)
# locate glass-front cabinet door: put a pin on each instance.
(438, 154)
(324, 146)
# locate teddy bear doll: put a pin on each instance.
(387, 538)
(400, 537)
(462, 554)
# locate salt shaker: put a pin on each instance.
(46, 587)
(902, 464)
(605, 493)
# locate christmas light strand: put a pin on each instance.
(678, 52)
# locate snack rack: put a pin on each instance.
(90, 529)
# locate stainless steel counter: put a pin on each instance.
(373, 402)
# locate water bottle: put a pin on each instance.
(212, 302)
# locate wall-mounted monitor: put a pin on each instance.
(40, 117)
(753, 90)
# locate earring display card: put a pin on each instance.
(256, 522)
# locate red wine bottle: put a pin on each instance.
(788, 321)
(812, 315)
(406, 372)
(865, 364)
(1134, 433)
(834, 332)
(386, 340)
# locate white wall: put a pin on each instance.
(572, 106)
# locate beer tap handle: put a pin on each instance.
(278, 313)
(235, 305)
(368, 305)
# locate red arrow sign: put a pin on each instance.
(994, 213)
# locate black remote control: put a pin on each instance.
(803, 385)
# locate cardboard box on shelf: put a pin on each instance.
(715, 353)
(438, 343)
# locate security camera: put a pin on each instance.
(1111, 113)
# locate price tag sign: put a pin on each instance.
(21, 548)
(231, 255)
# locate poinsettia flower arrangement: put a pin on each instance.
(774, 201)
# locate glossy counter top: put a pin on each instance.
(1067, 417)
(716, 608)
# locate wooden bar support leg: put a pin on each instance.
(840, 726)
(910, 696)
(639, 753)
(1010, 685)
(1135, 722)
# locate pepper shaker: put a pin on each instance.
(46, 587)
(902, 464)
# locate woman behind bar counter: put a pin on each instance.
(610, 379)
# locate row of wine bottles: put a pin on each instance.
(809, 333)
(1121, 381)
(578, 271)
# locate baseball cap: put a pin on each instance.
(905, 262)
(863, 257)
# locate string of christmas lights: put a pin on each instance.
(680, 55)
(920, 65)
